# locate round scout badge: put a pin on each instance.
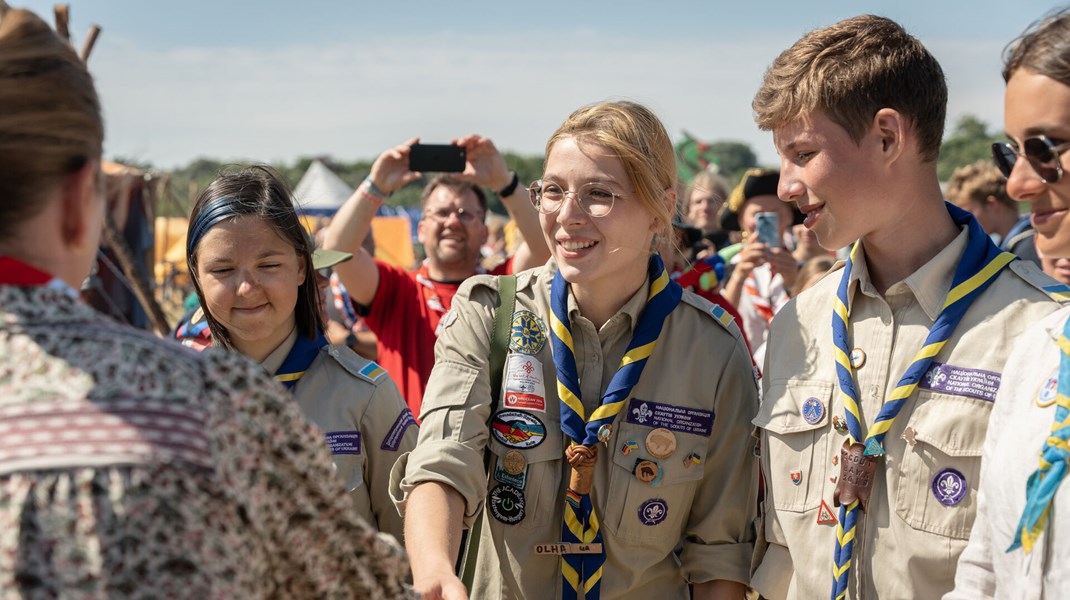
(514, 462)
(647, 471)
(604, 433)
(949, 487)
(813, 410)
(507, 504)
(858, 358)
(527, 335)
(661, 443)
(653, 511)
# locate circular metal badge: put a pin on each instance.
(507, 504)
(813, 410)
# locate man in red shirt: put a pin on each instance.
(404, 308)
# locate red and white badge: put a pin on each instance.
(524, 387)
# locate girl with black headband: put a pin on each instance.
(251, 263)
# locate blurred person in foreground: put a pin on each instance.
(1020, 545)
(879, 380)
(981, 189)
(404, 308)
(130, 466)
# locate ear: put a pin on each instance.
(420, 230)
(892, 131)
(81, 199)
(302, 267)
(668, 198)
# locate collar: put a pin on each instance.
(274, 360)
(631, 309)
(929, 284)
(21, 274)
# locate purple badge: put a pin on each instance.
(961, 381)
(949, 487)
(393, 438)
(344, 442)
(675, 418)
(653, 511)
(813, 410)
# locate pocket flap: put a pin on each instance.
(782, 407)
(955, 425)
(674, 469)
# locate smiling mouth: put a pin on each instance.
(573, 246)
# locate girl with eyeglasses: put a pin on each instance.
(1020, 544)
(251, 264)
(621, 431)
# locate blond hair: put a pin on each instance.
(708, 182)
(974, 183)
(637, 138)
(851, 70)
(50, 124)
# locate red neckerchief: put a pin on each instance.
(17, 273)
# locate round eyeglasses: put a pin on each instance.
(593, 198)
(1041, 152)
(442, 215)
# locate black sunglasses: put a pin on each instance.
(1041, 152)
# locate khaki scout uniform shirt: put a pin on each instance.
(707, 508)
(366, 423)
(908, 541)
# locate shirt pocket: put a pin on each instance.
(653, 515)
(940, 469)
(350, 470)
(542, 479)
(797, 449)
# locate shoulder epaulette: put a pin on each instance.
(714, 311)
(1029, 272)
(365, 369)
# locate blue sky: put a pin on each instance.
(272, 81)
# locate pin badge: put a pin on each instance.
(910, 436)
(647, 471)
(833, 479)
(514, 462)
(949, 487)
(692, 459)
(796, 477)
(1046, 396)
(628, 447)
(604, 433)
(835, 459)
(661, 443)
(873, 448)
(813, 410)
(825, 516)
(840, 424)
(858, 358)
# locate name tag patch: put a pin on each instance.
(676, 418)
(393, 438)
(344, 442)
(524, 387)
(961, 381)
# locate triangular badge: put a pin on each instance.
(873, 448)
(825, 515)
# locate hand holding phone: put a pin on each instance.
(767, 228)
(438, 158)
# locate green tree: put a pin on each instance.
(968, 142)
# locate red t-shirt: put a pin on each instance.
(404, 315)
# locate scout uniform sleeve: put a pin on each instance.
(392, 431)
(456, 405)
(719, 539)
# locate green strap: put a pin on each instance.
(499, 347)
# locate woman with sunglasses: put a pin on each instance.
(251, 264)
(1020, 544)
(622, 430)
(129, 466)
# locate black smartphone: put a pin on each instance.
(437, 158)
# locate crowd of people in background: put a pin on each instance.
(838, 377)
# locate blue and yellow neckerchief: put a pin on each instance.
(980, 264)
(582, 573)
(1042, 484)
(299, 359)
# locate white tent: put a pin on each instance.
(320, 191)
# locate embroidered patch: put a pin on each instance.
(813, 411)
(1059, 292)
(524, 386)
(518, 480)
(517, 429)
(676, 418)
(949, 487)
(653, 511)
(961, 381)
(528, 335)
(344, 442)
(372, 371)
(393, 438)
(721, 314)
(507, 504)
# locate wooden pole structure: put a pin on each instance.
(63, 17)
(114, 240)
(90, 40)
